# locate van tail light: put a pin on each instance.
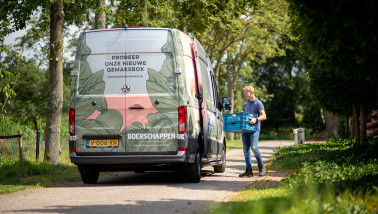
(71, 121)
(183, 123)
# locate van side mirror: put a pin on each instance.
(226, 103)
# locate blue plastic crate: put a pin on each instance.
(239, 122)
(241, 116)
(240, 127)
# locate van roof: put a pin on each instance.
(128, 28)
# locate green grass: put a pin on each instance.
(11, 127)
(33, 173)
(282, 199)
(339, 176)
(36, 174)
(257, 200)
(234, 144)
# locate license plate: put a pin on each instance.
(103, 143)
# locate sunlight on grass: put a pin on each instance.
(339, 176)
(257, 200)
(9, 188)
(234, 144)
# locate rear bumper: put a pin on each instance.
(180, 157)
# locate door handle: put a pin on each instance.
(136, 107)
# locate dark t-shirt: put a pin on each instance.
(254, 107)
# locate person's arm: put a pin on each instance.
(262, 117)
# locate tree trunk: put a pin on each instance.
(230, 92)
(100, 18)
(332, 124)
(231, 95)
(356, 122)
(352, 128)
(145, 13)
(346, 130)
(35, 124)
(55, 104)
(363, 135)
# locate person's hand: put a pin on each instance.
(253, 121)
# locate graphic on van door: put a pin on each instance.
(129, 79)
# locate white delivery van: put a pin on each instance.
(144, 99)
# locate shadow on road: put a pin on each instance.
(129, 207)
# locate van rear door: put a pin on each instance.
(100, 102)
(151, 124)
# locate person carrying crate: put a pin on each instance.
(250, 139)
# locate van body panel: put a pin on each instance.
(92, 113)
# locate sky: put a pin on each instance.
(11, 40)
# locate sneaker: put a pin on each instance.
(247, 173)
(262, 170)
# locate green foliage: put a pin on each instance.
(359, 176)
(339, 176)
(284, 77)
(16, 14)
(146, 13)
(282, 133)
(11, 126)
(334, 151)
(9, 78)
(31, 99)
(281, 199)
(339, 49)
(312, 115)
(342, 163)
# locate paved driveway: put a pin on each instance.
(151, 192)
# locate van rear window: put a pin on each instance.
(117, 74)
(116, 62)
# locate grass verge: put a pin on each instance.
(339, 176)
(234, 144)
(35, 174)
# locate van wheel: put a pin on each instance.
(89, 175)
(222, 167)
(194, 170)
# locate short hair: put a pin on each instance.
(249, 88)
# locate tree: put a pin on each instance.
(232, 32)
(286, 79)
(56, 13)
(55, 104)
(13, 17)
(100, 17)
(30, 101)
(260, 39)
(341, 51)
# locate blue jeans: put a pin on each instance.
(250, 141)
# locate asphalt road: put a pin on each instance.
(150, 192)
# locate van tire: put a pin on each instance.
(194, 169)
(89, 175)
(222, 167)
